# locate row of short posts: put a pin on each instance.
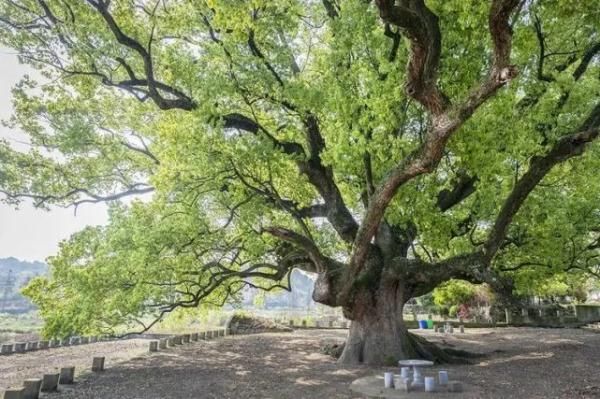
(319, 324)
(22, 347)
(49, 382)
(176, 340)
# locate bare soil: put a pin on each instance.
(519, 363)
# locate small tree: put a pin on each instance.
(385, 146)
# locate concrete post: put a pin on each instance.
(32, 346)
(74, 341)
(222, 332)
(186, 338)
(153, 347)
(93, 339)
(525, 315)
(508, 316)
(31, 388)
(54, 343)
(208, 335)
(14, 393)
(202, 335)
(6, 349)
(43, 345)
(194, 337)
(20, 347)
(67, 375)
(462, 329)
(171, 342)
(98, 364)
(162, 343)
(177, 340)
(85, 340)
(50, 383)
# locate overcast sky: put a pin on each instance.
(28, 233)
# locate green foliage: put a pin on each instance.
(94, 138)
(454, 293)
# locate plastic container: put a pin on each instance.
(423, 324)
(430, 324)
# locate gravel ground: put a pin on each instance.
(520, 363)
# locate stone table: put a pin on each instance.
(373, 387)
(416, 364)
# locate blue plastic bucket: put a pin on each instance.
(423, 324)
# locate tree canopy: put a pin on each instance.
(370, 142)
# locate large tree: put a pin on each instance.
(387, 146)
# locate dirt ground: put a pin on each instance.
(18, 367)
(520, 363)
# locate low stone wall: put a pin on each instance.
(243, 324)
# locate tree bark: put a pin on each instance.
(378, 335)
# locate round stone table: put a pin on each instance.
(373, 387)
(416, 364)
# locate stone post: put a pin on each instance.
(31, 388)
(85, 340)
(67, 375)
(98, 364)
(20, 347)
(6, 349)
(171, 342)
(508, 316)
(14, 393)
(153, 347)
(43, 345)
(162, 343)
(185, 338)
(50, 383)
(202, 335)
(74, 341)
(208, 335)
(525, 315)
(93, 339)
(54, 343)
(32, 346)
(462, 329)
(178, 340)
(194, 337)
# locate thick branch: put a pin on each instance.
(566, 148)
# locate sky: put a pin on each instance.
(28, 233)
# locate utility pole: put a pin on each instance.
(6, 288)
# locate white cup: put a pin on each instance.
(388, 380)
(429, 384)
(443, 377)
(405, 372)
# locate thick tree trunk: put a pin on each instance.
(378, 334)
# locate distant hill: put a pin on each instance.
(14, 274)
